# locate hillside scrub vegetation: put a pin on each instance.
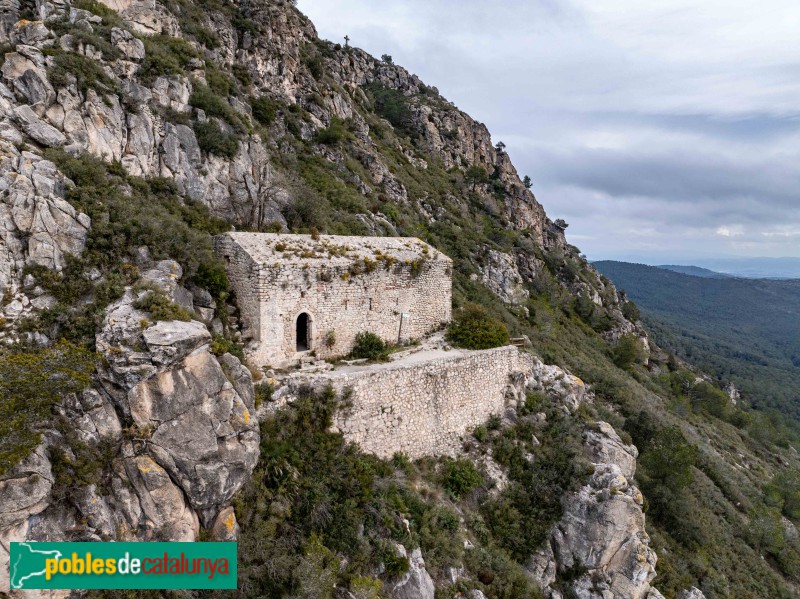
(126, 213)
(32, 383)
(314, 498)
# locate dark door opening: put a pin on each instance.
(303, 341)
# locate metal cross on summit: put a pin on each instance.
(346, 41)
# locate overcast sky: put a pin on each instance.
(661, 130)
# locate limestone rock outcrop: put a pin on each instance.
(195, 424)
(500, 275)
(183, 436)
(602, 530)
(416, 583)
(25, 489)
(560, 386)
(37, 225)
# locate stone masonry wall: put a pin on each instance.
(400, 300)
(343, 305)
(425, 408)
(243, 277)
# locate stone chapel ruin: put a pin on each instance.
(299, 294)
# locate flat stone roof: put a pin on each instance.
(269, 248)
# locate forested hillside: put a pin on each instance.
(746, 331)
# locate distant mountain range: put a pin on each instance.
(749, 268)
(695, 271)
(754, 268)
(743, 330)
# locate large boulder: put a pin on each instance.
(604, 446)
(167, 341)
(203, 433)
(162, 506)
(225, 528)
(132, 47)
(25, 72)
(500, 275)
(92, 417)
(192, 412)
(41, 131)
(559, 385)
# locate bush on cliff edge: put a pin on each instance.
(473, 328)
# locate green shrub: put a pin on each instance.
(364, 587)
(393, 106)
(205, 99)
(460, 477)
(627, 351)
(370, 347)
(263, 392)
(481, 433)
(396, 565)
(213, 140)
(160, 306)
(219, 83)
(213, 278)
(222, 345)
(402, 462)
(164, 55)
(476, 175)
(499, 576)
(333, 134)
(784, 493)
(473, 328)
(264, 110)
(204, 36)
(109, 16)
(584, 307)
(242, 75)
(712, 400)
(631, 312)
(313, 61)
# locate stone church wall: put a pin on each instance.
(397, 300)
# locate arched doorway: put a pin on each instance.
(303, 332)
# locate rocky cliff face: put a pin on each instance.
(128, 111)
(215, 101)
